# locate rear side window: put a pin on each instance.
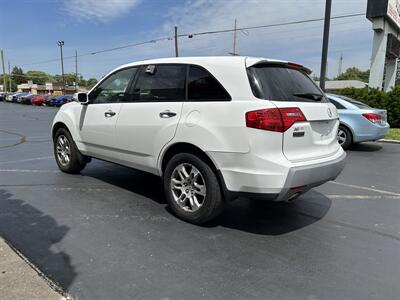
(202, 86)
(280, 83)
(160, 83)
(337, 104)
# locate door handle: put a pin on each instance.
(167, 114)
(109, 114)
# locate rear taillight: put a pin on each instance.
(374, 118)
(274, 119)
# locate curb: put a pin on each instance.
(52, 284)
(389, 141)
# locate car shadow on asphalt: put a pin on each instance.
(135, 181)
(365, 147)
(257, 217)
(33, 233)
(274, 218)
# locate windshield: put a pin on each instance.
(281, 83)
(355, 102)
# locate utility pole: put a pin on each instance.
(76, 71)
(234, 39)
(9, 76)
(176, 41)
(340, 63)
(325, 43)
(61, 44)
(4, 72)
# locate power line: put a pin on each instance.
(273, 25)
(190, 35)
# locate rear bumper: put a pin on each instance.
(302, 179)
(292, 181)
(371, 133)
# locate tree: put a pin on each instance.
(18, 75)
(91, 82)
(354, 73)
(38, 77)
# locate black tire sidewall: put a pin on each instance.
(348, 140)
(76, 163)
(212, 205)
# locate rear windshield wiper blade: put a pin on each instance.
(312, 96)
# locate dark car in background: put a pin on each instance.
(26, 99)
(61, 100)
(49, 101)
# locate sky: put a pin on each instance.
(30, 30)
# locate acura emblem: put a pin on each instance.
(329, 113)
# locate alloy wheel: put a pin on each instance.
(188, 187)
(341, 136)
(63, 149)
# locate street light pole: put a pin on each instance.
(4, 72)
(76, 71)
(324, 59)
(176, 41)
(61, 44)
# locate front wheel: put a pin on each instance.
(67, 155)
(192, 189)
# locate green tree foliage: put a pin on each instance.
(378, 99)
(18, 75)
(38, 77)
(354, 73)
(91, 82)
(13, 84)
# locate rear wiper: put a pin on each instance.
(312, 96)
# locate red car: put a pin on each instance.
(39, 100)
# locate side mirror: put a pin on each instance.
(82, 98)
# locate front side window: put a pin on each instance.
(114, 88)
(203, 86)
(160, 83)
(281, 83)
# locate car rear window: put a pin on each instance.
(282, 83)
(355, 102)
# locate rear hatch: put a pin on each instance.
(288, 85)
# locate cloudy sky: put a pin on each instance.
(31, 29)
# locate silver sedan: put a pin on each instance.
(358, 121)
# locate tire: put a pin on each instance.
(76, 161)
(202, 197)
(345, 138)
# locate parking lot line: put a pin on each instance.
(361, 197)
(365, 188)
(29, 171)
(25, 160)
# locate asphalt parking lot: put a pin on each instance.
(107, 233)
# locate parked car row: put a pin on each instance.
(35, 99)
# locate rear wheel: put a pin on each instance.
(192, 189)
(67, 155)
(344, 137)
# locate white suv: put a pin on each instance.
(214, 129)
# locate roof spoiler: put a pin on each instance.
(254, 61)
